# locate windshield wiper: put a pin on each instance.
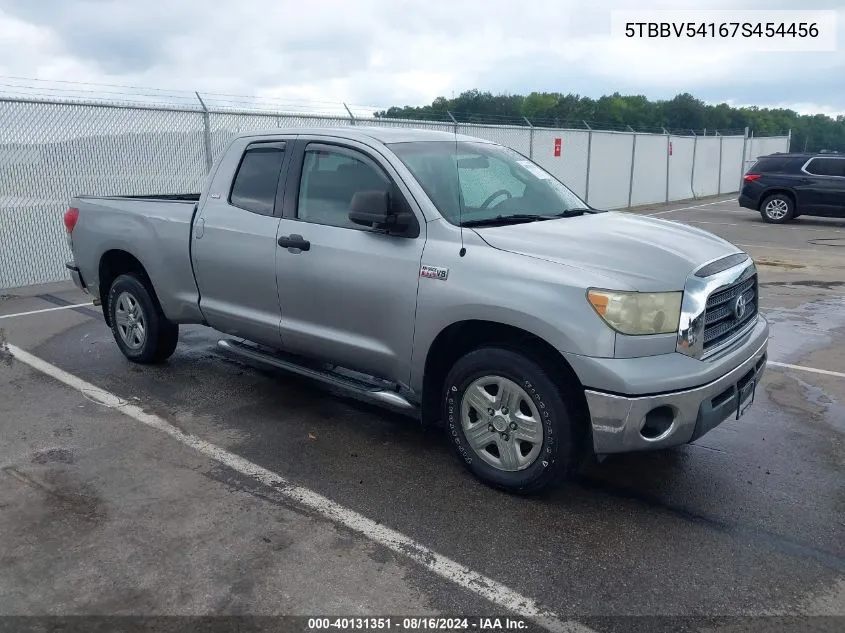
(569, 213)
(517, 218)
(500, 220)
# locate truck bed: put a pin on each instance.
(155, 230)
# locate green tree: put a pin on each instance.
(683, 113)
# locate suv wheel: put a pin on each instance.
(140, 329)
(508, 421)
(777, 209)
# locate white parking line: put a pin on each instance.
(20, 314)
(761, 225)
(481, 585)
(773, 246)
(812, 370)
(695, 206)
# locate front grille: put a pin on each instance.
(720, 320)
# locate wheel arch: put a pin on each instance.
(779, 190)
(462, 337)
(116, 262)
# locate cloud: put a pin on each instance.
(395, 52)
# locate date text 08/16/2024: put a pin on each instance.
(487, 624)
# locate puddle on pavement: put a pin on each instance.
(800, 331)
(804, 283)
(767, 262)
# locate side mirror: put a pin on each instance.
(370, 208)
(375, 209)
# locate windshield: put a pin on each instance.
(492, 181)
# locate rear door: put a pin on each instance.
(779, 172)
(826, 186)
(234, 241)
(351, 297)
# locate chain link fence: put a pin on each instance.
(51, 151)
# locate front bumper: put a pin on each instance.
(620, 423)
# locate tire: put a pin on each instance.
(132, 303)
(537, 396)
(777, 209)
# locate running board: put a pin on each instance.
(380, 394)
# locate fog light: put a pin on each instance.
(657, 422)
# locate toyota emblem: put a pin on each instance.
(739, 307)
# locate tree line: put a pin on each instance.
(683, 114)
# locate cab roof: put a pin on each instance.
(802, 155)
(384, 135)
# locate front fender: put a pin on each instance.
(533, 295)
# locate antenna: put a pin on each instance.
(463, 250)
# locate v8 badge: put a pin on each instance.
(434, 272)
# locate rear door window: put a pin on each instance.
(826, 167)
(772, 165)
(255, 184)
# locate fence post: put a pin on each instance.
(530, 138)
(454, 123)
(206, 124)
(351, 116)
(692, 172)
(589, 160)
(789, 140)
(633, 162)
(719, 186)
(668, 156)
(744, 153)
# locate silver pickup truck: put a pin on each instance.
(445, 276)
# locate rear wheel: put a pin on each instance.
(508, 421)
(139, 327)
(778, 209)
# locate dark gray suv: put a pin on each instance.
(783, 186)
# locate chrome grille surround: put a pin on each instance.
(709, 320)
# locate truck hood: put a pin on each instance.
(636, 252)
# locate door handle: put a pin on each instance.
(294, 241)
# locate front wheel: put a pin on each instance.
(139, 326)
(508, 421)
(778, 209)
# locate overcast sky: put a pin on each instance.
(396, 52)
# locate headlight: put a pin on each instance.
(638, 313)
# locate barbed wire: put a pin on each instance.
(94, 88)
(92, 93)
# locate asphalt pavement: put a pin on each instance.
(104, 515)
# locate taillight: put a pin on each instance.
(751, 177)
(71, 216)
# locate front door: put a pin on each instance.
(351, 297)
(234, 244)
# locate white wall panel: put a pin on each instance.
(610, 170)
(650, 170)
(731, 163)
(571, 166)
(680, 167)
